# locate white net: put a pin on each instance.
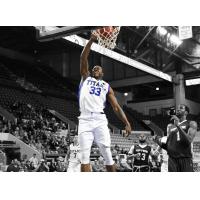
(107, 36)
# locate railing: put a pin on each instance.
(24, 148)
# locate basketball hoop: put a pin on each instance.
(107, 36)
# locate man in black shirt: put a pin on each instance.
(178, 144)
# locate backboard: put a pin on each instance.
(48, 33)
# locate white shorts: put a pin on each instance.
(93, 127)
(74, 167)
(164, 167)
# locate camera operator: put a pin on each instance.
(42, 167)
(180, 135)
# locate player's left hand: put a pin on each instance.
(176, 120)
(128, 130)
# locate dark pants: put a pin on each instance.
(180, 165)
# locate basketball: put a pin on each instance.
(107, 36)
(106, 31)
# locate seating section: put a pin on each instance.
(127, 142)
(4, 74)
(134, 119)
(122, 142)
(112, 118)
(34, 76)
(160, 120)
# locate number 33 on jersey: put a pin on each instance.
(92, 95)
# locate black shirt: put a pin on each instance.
(177, 146)
(144, 155)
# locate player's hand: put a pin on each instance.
(156, 153)
(154, 137)
(176, 120)
(93, 37)
(137, 156)
(128, 130)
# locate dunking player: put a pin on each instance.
(93, 124)
(72, 158)
(141, 153)
(178, 144)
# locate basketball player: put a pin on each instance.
(72, 158)
(178, 143)
(93, 124)
(141, 153)
(164, 163)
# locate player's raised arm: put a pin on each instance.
(118, 111)
(84, 67)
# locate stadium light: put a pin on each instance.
(161, 30)
(175, 40)
(157, 88)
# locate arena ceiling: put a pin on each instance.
(141, 43)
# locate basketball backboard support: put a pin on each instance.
(48, 33)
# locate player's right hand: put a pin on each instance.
(93, 37)
(137, 156)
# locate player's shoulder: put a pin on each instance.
(88, 77)
(192, 122)
(137, 146)
(104, 82)
(83, 79)
(148, 147)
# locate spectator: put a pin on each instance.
(101, 164)
(52, 166)
(116, 147)
(60, 167)
(32, 167)
(114, 151)
(125, 165)
(14, 166)
(42, 167)
(34, 160)
(96, 167)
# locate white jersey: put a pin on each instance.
(74, 153)
(92, 95)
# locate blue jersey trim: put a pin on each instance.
(108, 88)
(79, 91)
